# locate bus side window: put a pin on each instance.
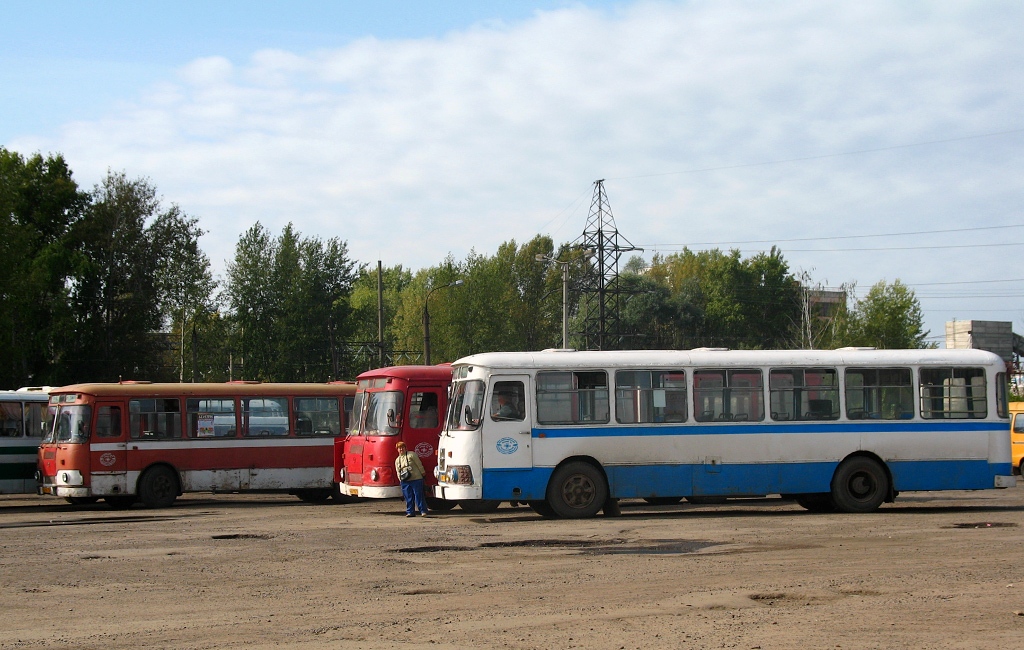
(108, 422)
(423, 411)
(10, 414)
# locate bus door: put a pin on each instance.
(423, 425)
(108, 450)
(507, 431)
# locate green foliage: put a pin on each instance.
(723, 300)
(39, 204)
(889, 317)
(289, 301)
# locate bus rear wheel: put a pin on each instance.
(577, 490)
(158, 487)
(860, 484)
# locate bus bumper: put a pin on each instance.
(1006, 481)
(370, 491)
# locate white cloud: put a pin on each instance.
(413, 149)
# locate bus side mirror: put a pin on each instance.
(393, 420)
(469, 417)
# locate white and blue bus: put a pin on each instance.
(568, 432)
(22, 418)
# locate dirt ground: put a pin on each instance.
(934, 570)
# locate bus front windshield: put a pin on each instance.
(73, 424)
(467, 404)
(383, 413)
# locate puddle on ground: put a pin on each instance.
(985, 524)
(242, 536)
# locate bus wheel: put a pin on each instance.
(82, 501)
(860, 485)
(440, 505)
(542, 508)
(663, 501)
(313, 495)
(817, 502)
(120, 502)
(480, 507)
(577, 490)
(158, 487)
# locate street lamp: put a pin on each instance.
(541, 257)
(426, 320)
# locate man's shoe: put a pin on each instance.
(409, 514)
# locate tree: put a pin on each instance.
(889, 317)
(289, 299)
(39, 204)
(115, 294)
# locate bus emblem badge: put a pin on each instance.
(424, 450)
(507, 446)
(108, 459)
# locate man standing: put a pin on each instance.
(410, 475)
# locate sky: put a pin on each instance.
(867, 141)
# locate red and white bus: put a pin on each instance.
(406, 403)
(149, 442)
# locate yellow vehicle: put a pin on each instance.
(1017, 436)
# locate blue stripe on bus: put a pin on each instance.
(604, 431)
(638, 481)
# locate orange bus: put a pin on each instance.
(1017, 436)
(150, 442)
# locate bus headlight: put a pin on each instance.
(341, 475)
(374, 475)
(70, 477)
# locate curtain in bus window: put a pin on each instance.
(108, 422)
(264, 416)
(11, 420)
(317, 416)
(423, 411)
(953, 393)
(36, 420)
(211, 417)
(803, 393)
(728, 395)
(155, 418)
(572, 397)
(879, 393)
(647, 396)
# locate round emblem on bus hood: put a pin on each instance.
(507, 446)
(424, 450)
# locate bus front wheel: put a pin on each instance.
(577, 490)
(440, 505)
(158, 487)
(860, 484)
